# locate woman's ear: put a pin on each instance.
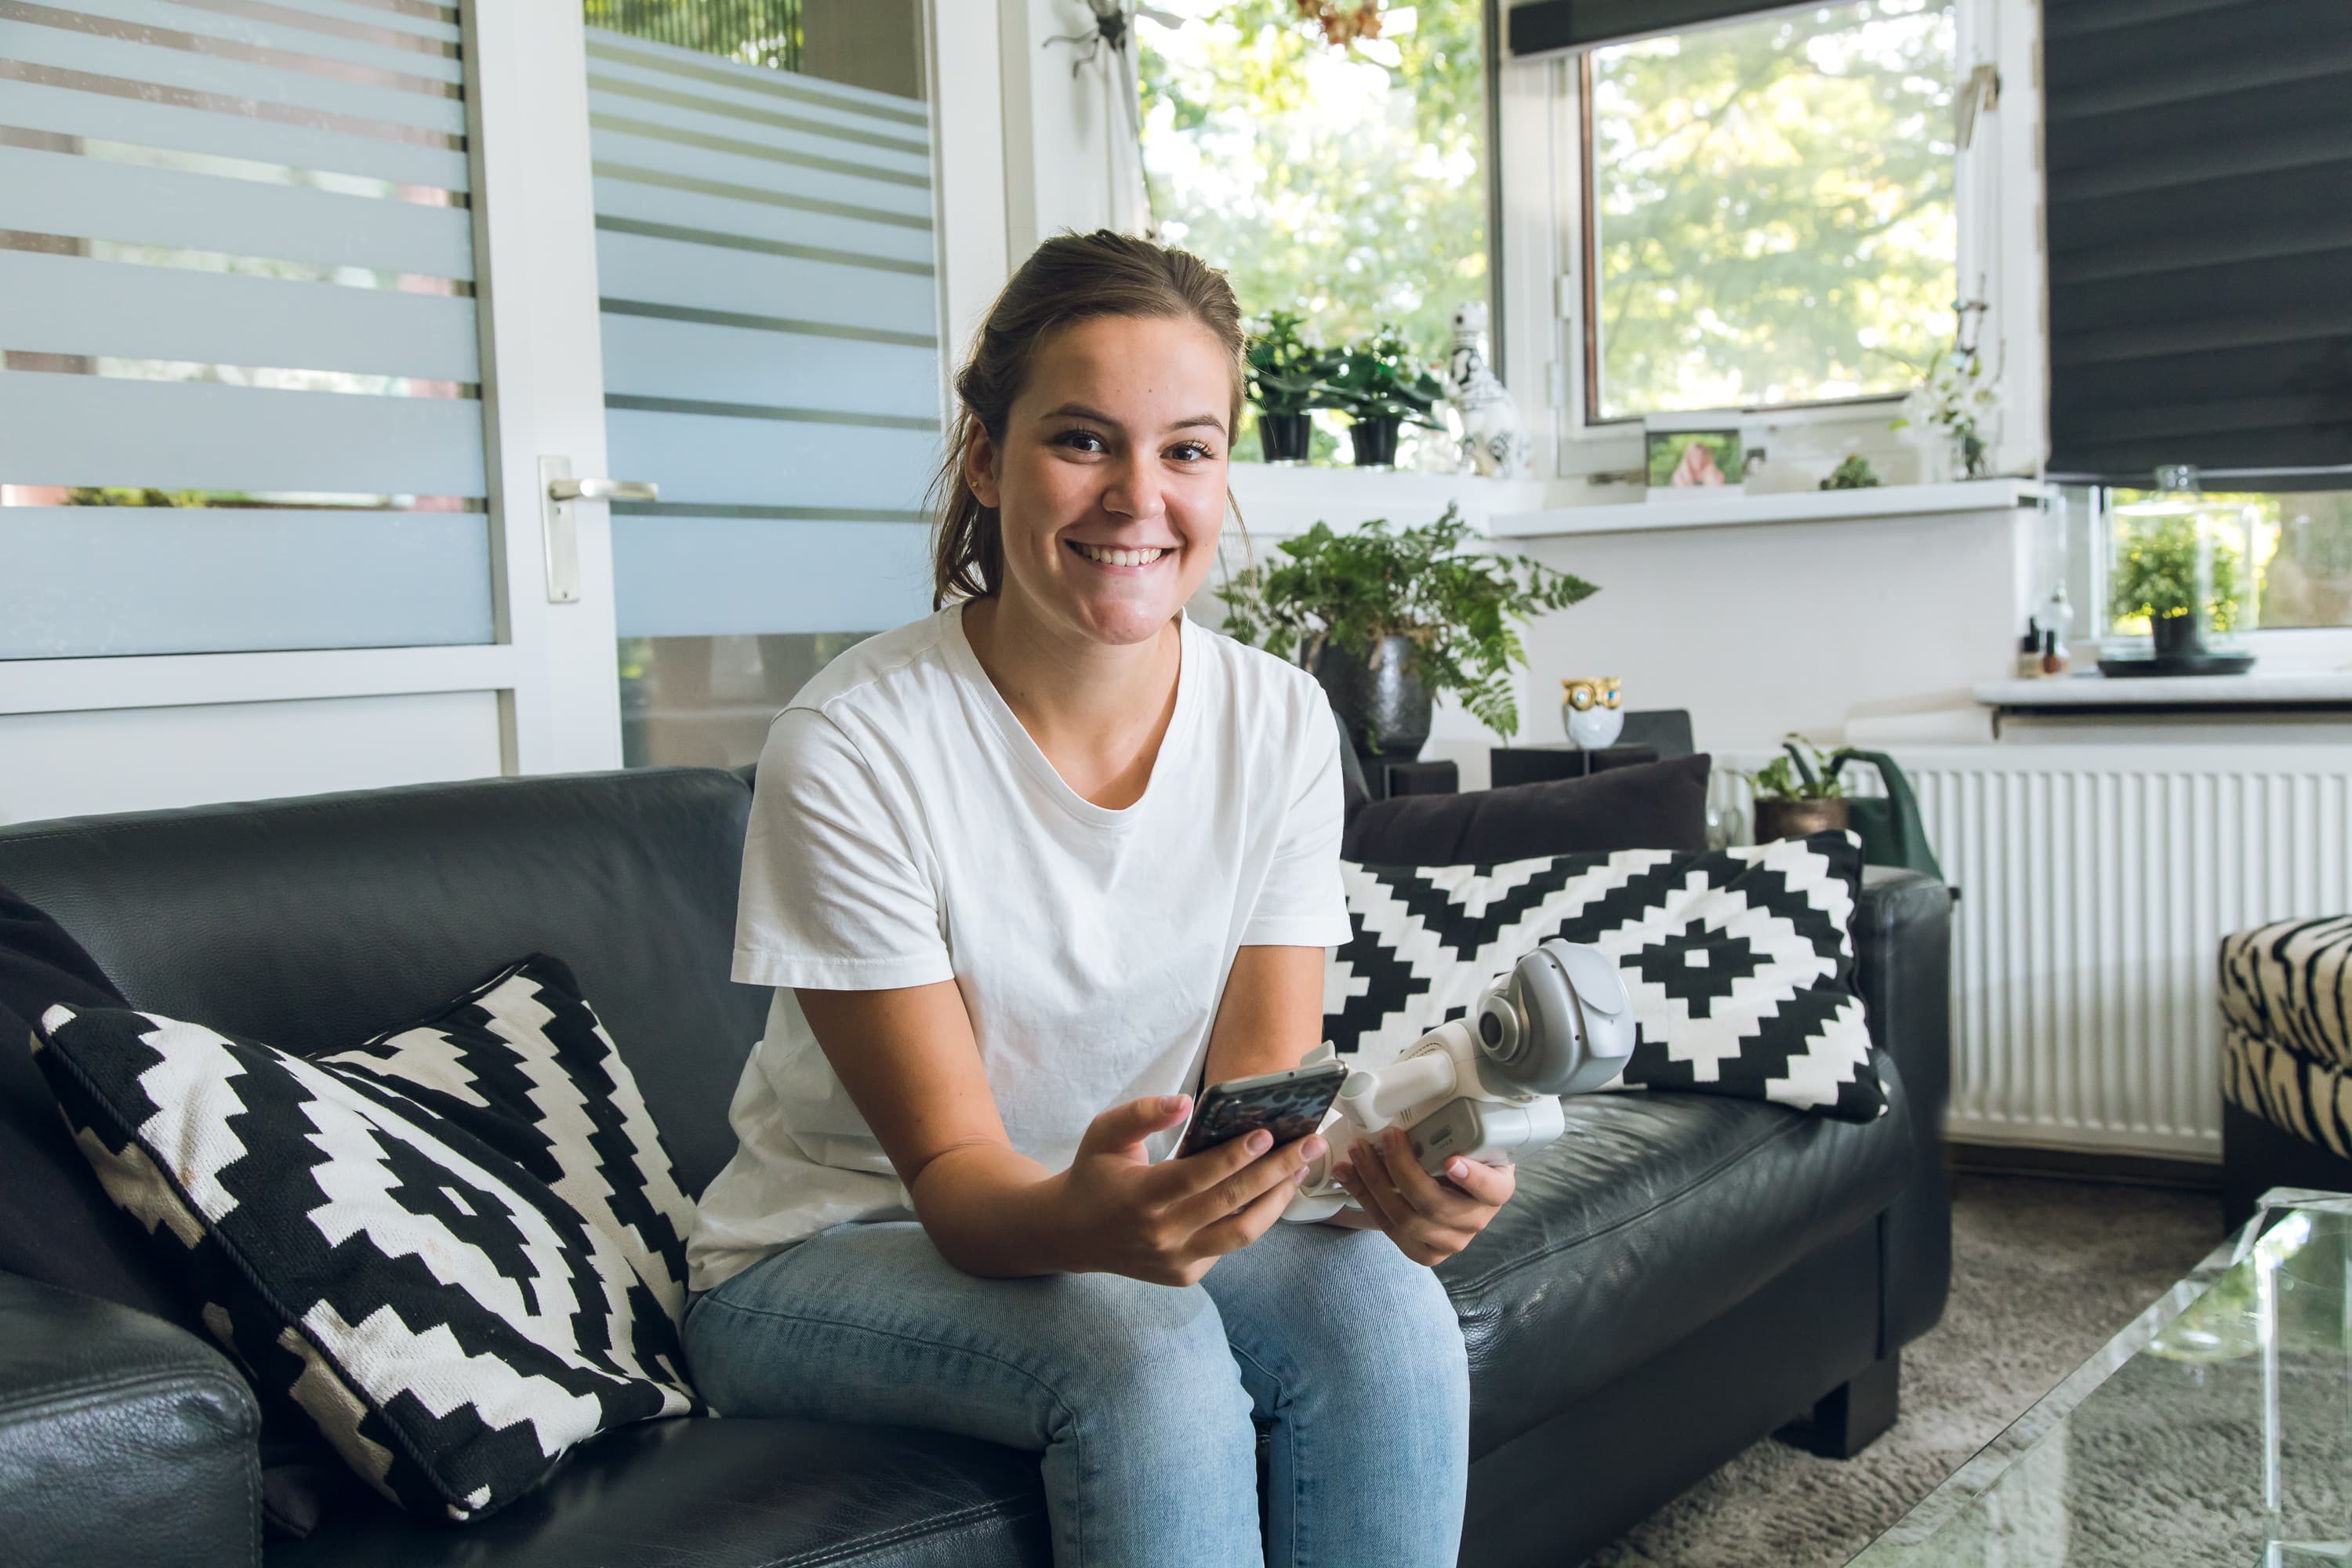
(980, 464)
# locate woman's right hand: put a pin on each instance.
(1168, 1222)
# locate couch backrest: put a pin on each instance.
(313, 923)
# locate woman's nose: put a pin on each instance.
(1133, 489)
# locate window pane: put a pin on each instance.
(1345, 183)
(707, 701)
(1774, 208)
(2300, 543)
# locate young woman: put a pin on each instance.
(1026, 874)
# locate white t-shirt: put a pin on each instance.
(906, 829)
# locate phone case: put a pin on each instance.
(1290, 1109)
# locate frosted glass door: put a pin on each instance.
(769, 317)
(240, 401)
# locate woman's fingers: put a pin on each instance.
(1418, 1188)
(1254, 1219)
(1489, 1185)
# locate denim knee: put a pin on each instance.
(1144, 1353)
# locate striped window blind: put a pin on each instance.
(240, 378)
(765, 252)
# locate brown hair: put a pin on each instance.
(1071, 277)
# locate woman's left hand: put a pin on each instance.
(1428, 1220)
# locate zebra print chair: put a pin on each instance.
(2286, 1060)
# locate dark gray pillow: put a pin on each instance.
(1651, 805)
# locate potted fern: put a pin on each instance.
(1382, 387)
(1797, 794)
(1286, 377)
(1388, 617)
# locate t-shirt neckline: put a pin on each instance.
(1025, 747)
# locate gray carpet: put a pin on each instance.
(2043, 1273)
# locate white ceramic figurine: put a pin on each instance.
(1492, 442)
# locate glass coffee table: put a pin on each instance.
(2214, 1432)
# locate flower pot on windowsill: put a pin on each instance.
(1379, 698)
(1284, 437)
(2175, 636)
(1375, 441)
(1798, 818)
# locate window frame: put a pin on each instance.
(1546, 158)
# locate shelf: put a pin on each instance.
(1277, 502)
(2293, 689)
(1746, 511)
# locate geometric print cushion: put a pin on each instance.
(2290, 983)
(522, 1063)
(447, 1321)
(1738, 961)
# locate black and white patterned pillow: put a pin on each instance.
(449, 1321)
(1739, 962)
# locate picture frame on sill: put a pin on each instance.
(1691, 458)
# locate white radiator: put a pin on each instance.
(2096, 882)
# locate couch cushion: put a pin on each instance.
(1652, 805)
(2290, 983)
(311, 923)
(1649, 1217)
(735, 1494)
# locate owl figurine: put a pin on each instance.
(1593, 710)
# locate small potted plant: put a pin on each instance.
(2172, 571)
(1286, 377)
(1381, 386)
(1388, 617)
(1796, 793)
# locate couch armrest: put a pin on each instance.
(122, 1438)
(1903, 952)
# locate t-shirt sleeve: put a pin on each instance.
(834, 897)
(1302, 903)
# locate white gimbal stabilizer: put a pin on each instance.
(1485, 1086)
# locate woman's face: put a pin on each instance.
(1117, 444)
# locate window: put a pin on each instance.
(1772, 215)
(2299, 545)
(1346, 183)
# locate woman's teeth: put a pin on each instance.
(1118, 557)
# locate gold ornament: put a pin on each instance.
(1596, 692)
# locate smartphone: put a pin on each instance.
(1289, 1104)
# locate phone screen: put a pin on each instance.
(1289, 1104)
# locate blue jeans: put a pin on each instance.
(1137, 1397)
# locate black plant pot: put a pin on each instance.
(1379, 700)
(1375, 442)
(1285, 437)
(2175, 636)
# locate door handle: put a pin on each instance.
(560, 528)
(603, 490)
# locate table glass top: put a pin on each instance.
(2215, 1430)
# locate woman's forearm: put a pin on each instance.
(994, 1213)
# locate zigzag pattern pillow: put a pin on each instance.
(448, 1321)
(1738, 961)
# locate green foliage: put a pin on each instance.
(1788, 778)
(1346, 183)
(1455, 605)
(1854, 474)
(1286, 373)
(1378, 378)
(755, 32)
(1775, 209)
(2155, 573)
(117, 495)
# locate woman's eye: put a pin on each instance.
(1189, 452)
(1079, 441)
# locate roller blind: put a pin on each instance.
(765, 252)
(240, 383)
(2199, 169)
(1548, 27)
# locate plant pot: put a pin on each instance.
(1285, 437)
(1375, 441)
(2175, 636)
(1799, 818)
(1379, 700)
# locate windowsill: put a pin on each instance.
(1280, 503)
(2255, 688)
(1747, 510)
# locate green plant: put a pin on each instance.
(1854, 474)
(2155, 574)
(1286, 373)
(1454, 606)
(1378, 378)
(1787, 778)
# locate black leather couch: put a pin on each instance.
(1677, 1277)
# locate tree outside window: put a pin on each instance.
(1774, 208)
